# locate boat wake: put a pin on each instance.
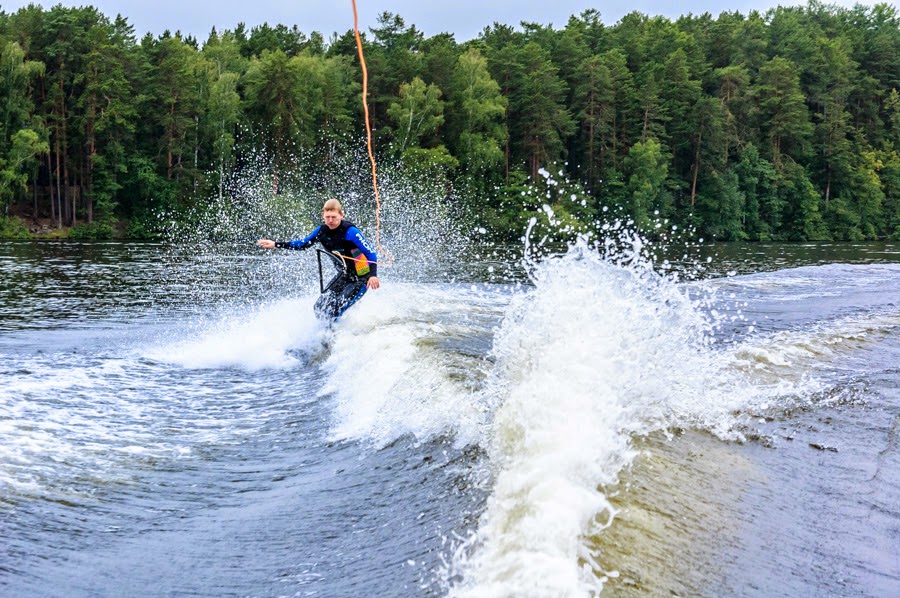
(554, 381)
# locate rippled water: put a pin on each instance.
(176, 423)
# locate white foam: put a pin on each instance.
(51, 432)
(388, 374)
(596, 353)
(74, 417)
(788, 356)
(261, 339)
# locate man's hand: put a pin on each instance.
(373, 283)
(266, 244)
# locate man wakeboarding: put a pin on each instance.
(347, 245)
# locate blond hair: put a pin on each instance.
(332, 205)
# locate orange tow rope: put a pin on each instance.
(365, 93)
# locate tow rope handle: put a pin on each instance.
(340, 264)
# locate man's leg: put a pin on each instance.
(349, 295)
(328, 305)
(338, 297)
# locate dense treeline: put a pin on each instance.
(783, 125)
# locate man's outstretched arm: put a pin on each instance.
(300, 244)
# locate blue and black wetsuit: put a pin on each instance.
(360, 264)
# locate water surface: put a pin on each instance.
(178, 423)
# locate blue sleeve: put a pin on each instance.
(302, 243)
(356, 237)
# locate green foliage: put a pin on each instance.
(723, 207)
(417, 113)
(434, 163)
(732, 83)
(19, 144)
(781, 109)
(143, 228)
(93, 231)
(776, 125)
(594, 98)
(511, 209)
(890, 184)
(868, 195)
(763, 208)
(340, 91)
(802, 219)
(13, 228)
(222, 115)
(275, 99)
(645, 191)
(477, 109)
(537, 112)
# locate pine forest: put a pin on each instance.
(783, 125)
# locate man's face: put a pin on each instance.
(332, 218)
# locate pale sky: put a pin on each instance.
(464, 18)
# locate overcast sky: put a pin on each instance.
(464, 18)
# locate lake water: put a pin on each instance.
(178, 423)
